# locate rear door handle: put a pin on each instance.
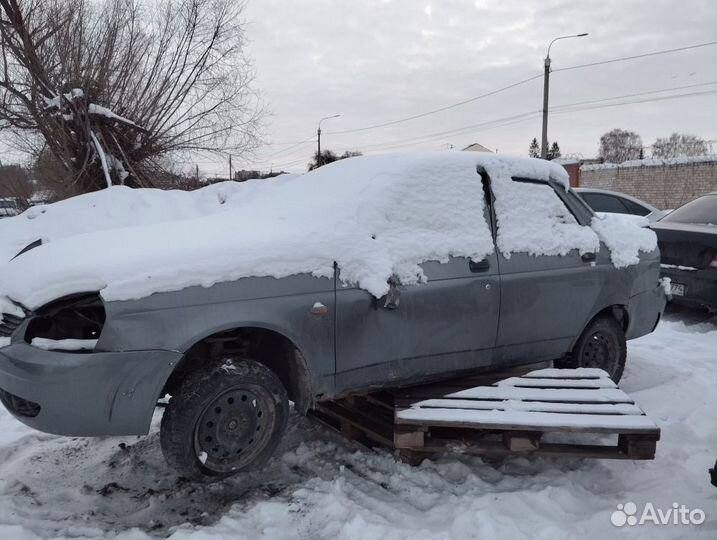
(480, 266)
(588, 257)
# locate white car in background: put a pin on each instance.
(614, 202)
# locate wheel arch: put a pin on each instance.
(616, 311)
(262, 343)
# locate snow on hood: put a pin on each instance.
(114, 207)
(376, 216)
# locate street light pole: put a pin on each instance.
(546, 89)
(318, 138)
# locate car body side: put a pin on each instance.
(468, 315)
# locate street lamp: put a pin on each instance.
(546, 85)
(318, 138)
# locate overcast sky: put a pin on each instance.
(375, 61)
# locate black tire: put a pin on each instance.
(226, 417)
(601, 345)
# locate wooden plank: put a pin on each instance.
(520, 420)
(408, 439)
(538, 406)
(522, 441)
(547, 382)
(381, 399)
(374, 428)
(598, 395)
(497, 448)
(411, 457)
(637, 446)
(575, 373)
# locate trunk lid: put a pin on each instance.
(683, 244)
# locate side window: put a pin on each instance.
(532, 218)
(635, 208)
(601, 202)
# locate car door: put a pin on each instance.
(447, 324)
(546, 299)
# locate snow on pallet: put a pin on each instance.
(499, 413)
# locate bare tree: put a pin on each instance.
(16, 184)
(111, 88)
(329, 156)
(620, 145)
(679, 145)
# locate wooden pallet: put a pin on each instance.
(501, 413)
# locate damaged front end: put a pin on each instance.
(72, 323)
(53, 377)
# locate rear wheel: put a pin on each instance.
(225, 418)
(601, 345)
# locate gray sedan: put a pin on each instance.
(232, 355)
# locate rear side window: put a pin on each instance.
(636, 209)
(532, 218)
(701, 211)
(601, 202)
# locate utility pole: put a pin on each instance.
(546, 89)
(230, 166)
(197, 171)
(318, 139)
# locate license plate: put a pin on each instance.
(678, 289)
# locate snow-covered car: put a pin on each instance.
(370, 272)
(687, 238)
(614, 202)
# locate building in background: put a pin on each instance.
(477, 147)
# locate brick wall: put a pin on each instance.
(663, 186)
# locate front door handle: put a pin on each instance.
(588, 257)
(479, 266)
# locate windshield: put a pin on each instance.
(702, 211)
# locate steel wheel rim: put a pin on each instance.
(234, 428)
(600, 351)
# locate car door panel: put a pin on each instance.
(547, 299)
(447, 324)
(544, 300)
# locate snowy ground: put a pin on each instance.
(321, 486)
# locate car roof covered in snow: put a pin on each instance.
(376, 216)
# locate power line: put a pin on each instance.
(633, 95)
(528, 115)
(660, 98)
(296, 144)
(470, 100)
(643, 55)
(287, 150)
(289, 163)
(500, 122)
(488, 125)
(441, 109)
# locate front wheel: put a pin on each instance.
(601, 345)
(225, 418)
